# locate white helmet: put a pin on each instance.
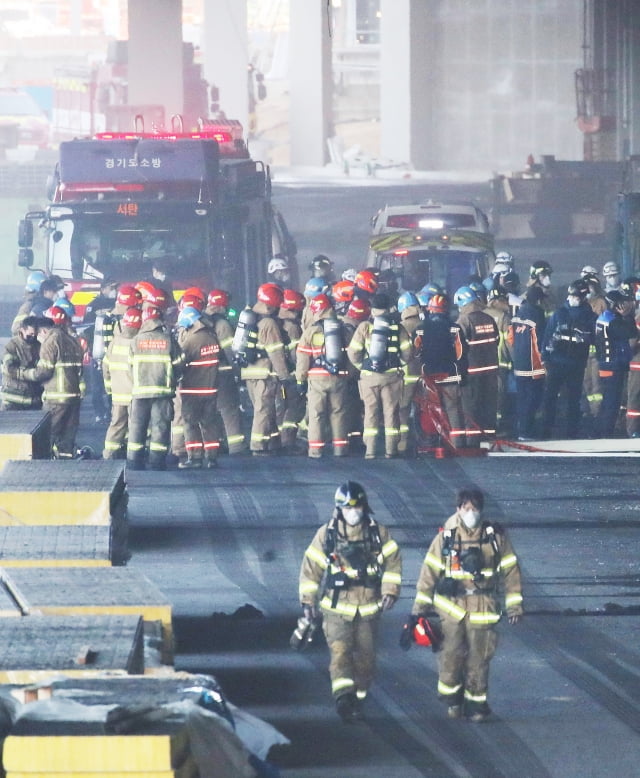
(610, 269)
(349, 274)
(500, 268)
(277, 263)
(505, 258)
(588, 270)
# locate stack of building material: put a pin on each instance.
(73, 497)
(24, 435)
(34, 648)
(73, 591)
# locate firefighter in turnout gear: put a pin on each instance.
(267, 367)
(117, 382)
(228, 394)
(154, 359)
(379, 348)
(198, 390)
(291, 408)
(411, 317)
(468, 563)
(351, 572)
(59, 369)
(323, 364)
(21, 351)
(480, 392)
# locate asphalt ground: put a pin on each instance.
(225, 547)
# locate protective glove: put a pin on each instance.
(287, 387)
(301, 388)
(515, 619)
(388, 601)
(310, 612)
(406, 636)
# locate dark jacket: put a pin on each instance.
(525, 331)
(613, 333)
(443, 347)
(568, 335)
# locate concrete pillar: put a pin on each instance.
(225, 48)
(310, 115)
(407, 64)
(155, 69)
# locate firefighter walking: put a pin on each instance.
(468, 563)
(351, 572)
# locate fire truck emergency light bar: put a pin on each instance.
(208, 133)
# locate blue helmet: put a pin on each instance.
(479, 288)
(34, 279)
(188, 316)
(407, 299)
(464, 296)
(488, 283)
(67, 306)
(427, 292)
(315, 286)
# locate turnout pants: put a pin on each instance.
(116, 438)
(571, 376)
(406, 403)
(177, 429)
(327, 405)
(381, 397)
(352, 645)
(150, 416)
(264, 427)
(528, 400)
(480, 406)
(229, 410)
(464, 664)
(65, 420)
(633, 401)
(201, 433)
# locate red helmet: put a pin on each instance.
(57, 315)
(192, 300)
(342, 292)
(359, 310)
(144, 287)
(133, 318)
(438, 303)
(195, 291)
(128, 295)
(292, 300)
(157, 298)
(367, 281)
(319, 304)
(270, 294)
(218, 298)
(426, 634)
(151, 313)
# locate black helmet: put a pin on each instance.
(511, 282)
(321, 262)
(616, 297)
(540, 268)
(497, 293)
(578, 288)
(350, 495)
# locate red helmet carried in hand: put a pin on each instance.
(292, 300)
(218, 298)
(426, 633)
(270, 294)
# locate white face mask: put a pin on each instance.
(545, 281)
(612, 281)
(573, 301)
(470, 518)
(352, 516)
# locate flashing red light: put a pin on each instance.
(401, 253)
(207, 133)
(403, 221)
(71, 188)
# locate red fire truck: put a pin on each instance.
(119, 201)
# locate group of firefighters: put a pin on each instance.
(343, 361)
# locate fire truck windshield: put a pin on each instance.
(89, 248)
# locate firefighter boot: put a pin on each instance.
(191, 463)
(347, 708)
(210, 462)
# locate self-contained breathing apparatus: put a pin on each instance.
(364, 557)
(245, 339)
(384, 345)
(470, 560)
(103, 322)
(333, 358)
